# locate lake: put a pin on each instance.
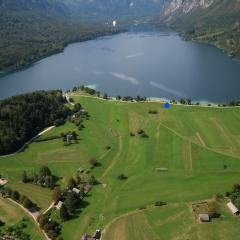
(152, 64)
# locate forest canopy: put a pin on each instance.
(23, 116)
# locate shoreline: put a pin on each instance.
(29, 64)
(153, 100)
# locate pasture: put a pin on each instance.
(199, 146)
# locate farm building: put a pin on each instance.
(97, 235)
(76, 190)
(204, 217)
(233, 209)
(59, 205)
(86, 237)
(3, 181)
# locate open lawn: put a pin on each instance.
(199, 146)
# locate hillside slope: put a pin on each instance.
(199, 146)
(212, 21)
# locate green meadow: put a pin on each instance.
(199, 146)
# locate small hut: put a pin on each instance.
(233, 209)
(204, 217)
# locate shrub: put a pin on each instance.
(122, 177)
(160, 203)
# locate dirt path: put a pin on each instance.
(114, 161)
(32, 215)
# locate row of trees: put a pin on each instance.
(44, 178)
(17, 197)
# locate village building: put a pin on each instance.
(233, 209)
(59, 205)
(204, 217)
(3, 181)
(76, 190)
(97, 235)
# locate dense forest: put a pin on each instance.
(23, 116)
(26, 35)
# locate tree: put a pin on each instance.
(22, 198)
(92, 180)
(24, 177)
(15, 195)
(71, 201)
(93, 162)
(44, 171)
(71, 183)
(27, 203)
(64, 213)
(57, 194)
(49, 182)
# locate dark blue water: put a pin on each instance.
(152, 64)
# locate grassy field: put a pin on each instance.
(199, 146)
(12, 215)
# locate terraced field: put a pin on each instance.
(199, 146)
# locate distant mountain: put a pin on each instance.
(112, 8)
(212, 21)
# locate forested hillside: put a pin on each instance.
(30, 30)
(212, 21)
(23, 116)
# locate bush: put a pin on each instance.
(160, 203)
(122, 177)
(2, 223)
(132, 134)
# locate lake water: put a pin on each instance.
(152, 64)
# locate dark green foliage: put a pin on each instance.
(71, 201)
(27, 203)
(29, 32)
(159, 203)
(235, 195)
(122, 177)
(2, 223)
(64, 213)
(71, 183)
(15, 195)
(92, 180)
(24, 177)
(23, 116)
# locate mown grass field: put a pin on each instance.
(199, 146)
(11, 214)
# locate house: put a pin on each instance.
(204, 217)
(97, 235)
(59, 205)
(86, 237)
(76, 190)
(233, 209)
(3, 181)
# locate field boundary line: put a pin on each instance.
(114, 161)
(199, 145)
